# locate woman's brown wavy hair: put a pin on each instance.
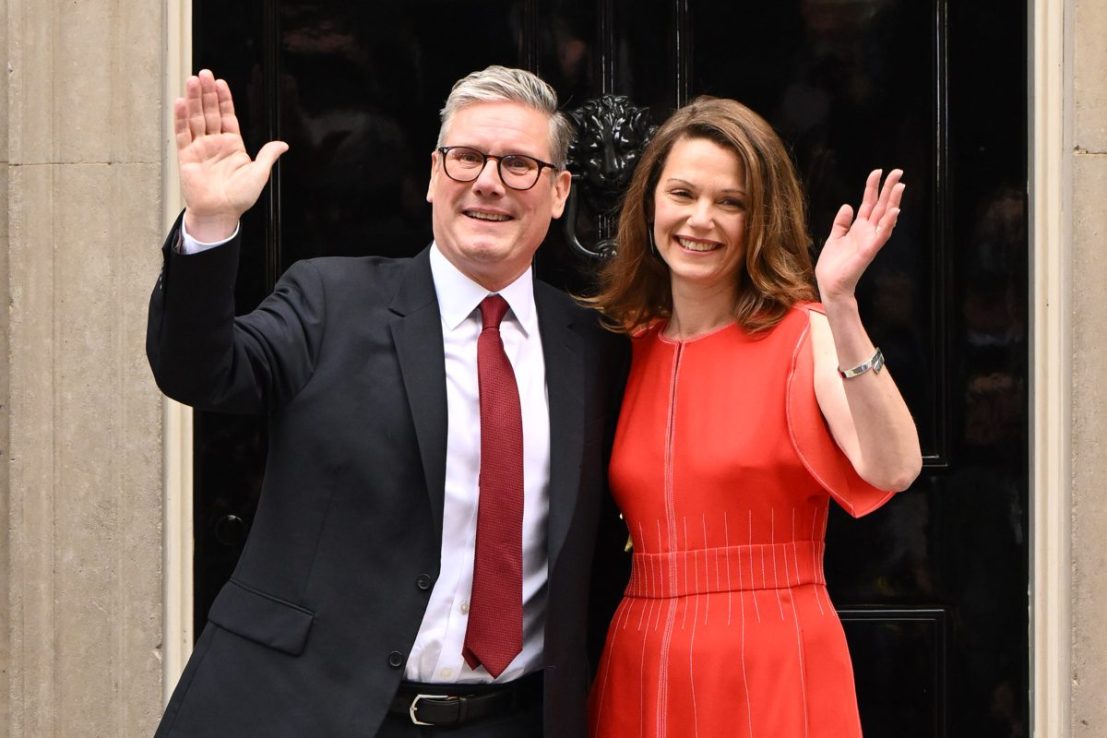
(634, 286)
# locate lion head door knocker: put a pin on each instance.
(611, 133)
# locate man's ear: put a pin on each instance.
(433, 176)
(562, 182)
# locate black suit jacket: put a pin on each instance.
(310, 636)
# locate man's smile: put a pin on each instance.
(486, 216)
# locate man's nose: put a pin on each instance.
(489, 178)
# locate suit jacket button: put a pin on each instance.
(395, 659)
(423, 582)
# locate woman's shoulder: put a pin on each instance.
(808, 307)
(649, 332)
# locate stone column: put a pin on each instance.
(1089, 362)
(82, 439)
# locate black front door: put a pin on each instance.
(932, 588)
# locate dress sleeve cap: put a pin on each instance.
(813, 442)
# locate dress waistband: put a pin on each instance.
(726, 569)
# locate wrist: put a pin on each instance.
(839, 304)
(210, 228)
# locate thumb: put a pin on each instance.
(842, 221)
(270, 152)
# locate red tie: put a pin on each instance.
(495, 633)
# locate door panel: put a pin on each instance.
(932, 588)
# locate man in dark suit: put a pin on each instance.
(439, 426)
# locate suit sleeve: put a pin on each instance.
(202, 355)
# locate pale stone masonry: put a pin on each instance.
(81, 552)
(1089, 363)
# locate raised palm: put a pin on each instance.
(854, 242)
(219, 180)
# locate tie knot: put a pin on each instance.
(492, 311)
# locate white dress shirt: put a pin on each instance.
(436, 654)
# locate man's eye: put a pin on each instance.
(518, 164)
(467, 158)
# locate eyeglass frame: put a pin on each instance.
(445, 150)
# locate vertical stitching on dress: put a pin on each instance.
(696, 577)
(815, 560)
(642, 686)
(742, 655)
(684, 616)
(663, 666)
(692, 670)
(661, 591)
(726, 540)
(795, 548)
(802, 665)
(753, 579)
(772, 548)
(706, 572)
(626, 616)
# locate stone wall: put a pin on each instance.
(81, 559)
(1089, 362)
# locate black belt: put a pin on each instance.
(447, 705)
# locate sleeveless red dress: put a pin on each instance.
(723, 467)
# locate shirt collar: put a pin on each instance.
(459, 296)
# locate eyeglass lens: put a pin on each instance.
(517, 171)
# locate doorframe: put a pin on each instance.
(177, 537)
(1049, 117)
(1049, 88)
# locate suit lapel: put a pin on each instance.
(417, 334)
(564, 383)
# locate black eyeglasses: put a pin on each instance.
(517, 171)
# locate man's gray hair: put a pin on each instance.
(504, 84)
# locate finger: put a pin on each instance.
(869, 199)
(269, 154)
(842, 221)
(181, 131)
(886, 192)
(897, 195)
(887, 224)
(195, 107)
(210, 101)
(226, 107)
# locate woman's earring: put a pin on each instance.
(653, 245)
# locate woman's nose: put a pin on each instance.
(701, 214)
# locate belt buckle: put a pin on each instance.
(415, 706)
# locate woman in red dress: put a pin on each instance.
(749, 406)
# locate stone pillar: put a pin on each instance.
(5, 402)
(1089, 373)
(82, 439)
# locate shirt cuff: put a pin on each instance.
(190, 245)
